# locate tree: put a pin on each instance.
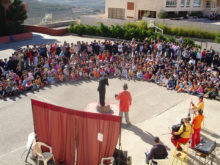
(16, 14)
(2, 20)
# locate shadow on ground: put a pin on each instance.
(37, 39)
(210, 133)
(147, 137)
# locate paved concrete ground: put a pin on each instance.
(154, 109)
(204, 20)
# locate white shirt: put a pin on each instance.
(192, 61)
(120, 48)
(199, 55)
(35, 61)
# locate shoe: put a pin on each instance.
(129, 124)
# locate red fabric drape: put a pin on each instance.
(56, 129)
(62, 128)
(41, 124)
(89, 149)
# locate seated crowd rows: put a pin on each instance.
(184, 69)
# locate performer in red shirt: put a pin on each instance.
(197, 122)
(125, 101)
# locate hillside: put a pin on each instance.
(96, 4)
(65, 11)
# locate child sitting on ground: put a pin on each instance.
(171, 83)
(200, 90)
(2, 92)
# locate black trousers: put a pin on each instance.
(102, 97)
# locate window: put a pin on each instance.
(210, 4)
(197, 3)
(117, 13)
(182, 3)
(187, 3)
(130, 6)
(171, 3)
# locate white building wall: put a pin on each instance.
(130, 13)
(155, 5)
(120, 4)
(114, 4)
(151, 5)
(185, 8)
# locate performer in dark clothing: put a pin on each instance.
(158, 151)
(102, 83)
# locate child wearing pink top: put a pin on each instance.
(200, 90)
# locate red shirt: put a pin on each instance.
(197, 121)
(125, 101)
(203, 53)
(100, 57)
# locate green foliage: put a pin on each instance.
(129, 25)
(188, 42)
(217, 38)
(189, 32)
(117, 31)
(198, 46)
(142, 25)
(91, 30)
(2, 20)
(78, 29)
(146, 14)
(16, 14)
(140, 31)
(172, 39)
(70, 28)
(162, 14)
(104, 30)
(128, 31)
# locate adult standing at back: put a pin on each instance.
(125, 102)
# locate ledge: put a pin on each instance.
(47, 30)
(16, 37)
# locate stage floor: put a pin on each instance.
(153, 110)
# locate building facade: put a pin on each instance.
(136, 9)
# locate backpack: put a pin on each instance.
(175, 128)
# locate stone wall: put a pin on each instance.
(16, 37)
(62, 23)
(47, 30)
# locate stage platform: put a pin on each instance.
(92, 107)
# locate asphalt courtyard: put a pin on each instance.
(154, 110)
